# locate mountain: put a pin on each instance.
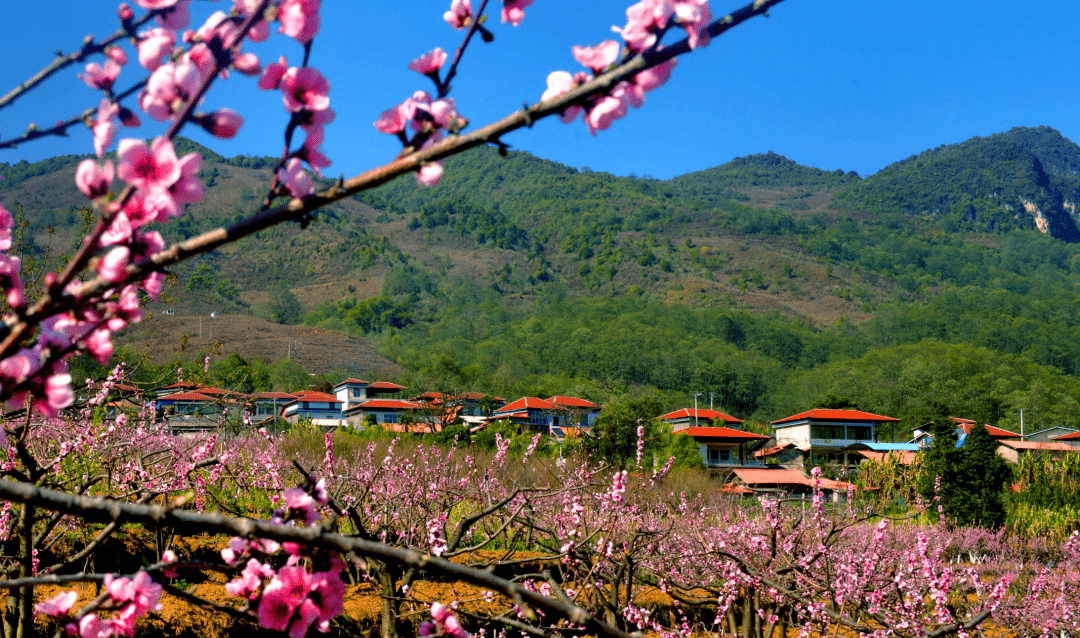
(985, 184)
(521, 275)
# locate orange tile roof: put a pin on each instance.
(311, 395)
(1052, 446)
(689, 413)
(835, 415)
(385, 404)
(786, 476)
(572, 402)
(995, 432)
(350, 380)
(526, 403)
(187, 396)
(721, 433)
(386, 385)
(1074, 436)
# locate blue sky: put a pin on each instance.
(839, 84)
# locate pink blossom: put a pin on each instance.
(275, 609)
(560, 82)
(154, 45)
(116, 54)
(168, 88)
(93, 179)
(223, 123)
(152, 169)
(100, 77)
(90, 626)
(169, 557)
(606, 110)
(188, 189)
(57, 605)
(394, 120)
(460, 14)
(599, 57)
(248, 64)
(6, 224)
(271, 78)
(694, 16)
(154, 5)
(299, 19)
(304, 88)
(644, 21)
(655, 77)
(104, 129)
(113, 266)
(58, 393)
(175, 18)
(296, 179)
(202, 57)
(429, 174)
(514, 11)
(118, 232)
(430, 62)
(153, 284)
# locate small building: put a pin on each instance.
(822, 433)
(549, 416)
(963, 428)
(264, 405)
(725, 447)
(1069, 439)
(321, 408)
(787, 480)
(903, 453)
(1050, 434)
(352, 391)
(1013, 451)
(385, 412)
(691, 418)
(173, 388)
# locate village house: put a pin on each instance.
(1069, 439)
(820, 435)
(386, 412)
(322, 409)
(553, 416)
(785, 481)
(352, 391)
(690, 417)
(1013, 451)
(963, 428)
(1050, 434)
(724, 447)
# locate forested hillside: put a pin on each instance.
(771, 285)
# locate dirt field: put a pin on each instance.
(161, 337)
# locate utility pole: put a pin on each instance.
(696, 395)
(711, 394)
(1022, 437)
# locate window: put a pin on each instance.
(714, 456)
(860, 432)
(826, 431)
(388, 417)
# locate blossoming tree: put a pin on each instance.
(377, 515)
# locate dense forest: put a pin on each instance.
(951, 275)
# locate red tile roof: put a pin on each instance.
(272, 395)
(187, 396)
(385, 404)
(213, 391)
(1053, 446)
(350, 380)
(905, 457)
(689, 413)
(311, 395)
(178, 384)
(721, 433)
(785, 476)
(997, 433)
(760, 454)
(835, 415)
(572, 402)
(526, 403)
(386, 385)
(1074, 436)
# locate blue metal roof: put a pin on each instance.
(887, 447)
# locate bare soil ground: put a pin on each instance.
(163, 337)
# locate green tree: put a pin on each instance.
(284, 307)
(983, 475)
(942, 464)
(614, 433)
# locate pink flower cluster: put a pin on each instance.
(443, 623)
(601, 111)
(423, 115)
(305, 94)
(131, 598)
(646, 23)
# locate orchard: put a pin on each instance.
(566, 546)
